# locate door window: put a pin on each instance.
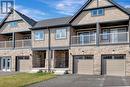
(84, 37)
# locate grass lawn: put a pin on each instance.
(24, 79)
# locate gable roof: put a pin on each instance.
(89, 1)
(30, 21)
(52, 22)
(27, 19)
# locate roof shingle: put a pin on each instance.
(52, 22)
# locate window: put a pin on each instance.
(13, 24)
(61, 33)
(97, 12)
(39, 35)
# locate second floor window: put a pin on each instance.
(39, 35)
(61, 34)
(13, 24)
(97, 12)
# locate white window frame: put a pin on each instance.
(37, 38)
(61, 33)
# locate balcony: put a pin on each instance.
(6, 44)
(108, 38)
(83, 39)
(111, 38)
(18, 44)
(23, 43)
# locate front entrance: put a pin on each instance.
(113, 65)
(6, 64)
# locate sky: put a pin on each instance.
(47, 9)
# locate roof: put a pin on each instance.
(128, 9)
(27, 19)
(52, 22)
(89, 1)
(30, 21)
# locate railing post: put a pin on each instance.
(22, 43)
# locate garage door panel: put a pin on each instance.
(115, 66)
(83, 66)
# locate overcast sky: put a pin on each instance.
(46, 9)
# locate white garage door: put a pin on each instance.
(83, 65)
(115, 65)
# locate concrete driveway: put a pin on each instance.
(85, 81)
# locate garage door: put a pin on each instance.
(114, 65)
(23, 64)
(83, 65)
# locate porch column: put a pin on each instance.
(71, 61)
(48, 60)
(97, 33)
(129, 31)
(53, 60)
(13, 63)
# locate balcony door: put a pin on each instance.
(84, 37)
(114, 35)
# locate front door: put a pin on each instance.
(6, 64)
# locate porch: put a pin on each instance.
(61, 59)
(39, 59)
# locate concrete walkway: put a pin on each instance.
(7, 73)
(85, 81)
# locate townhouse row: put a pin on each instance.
(94, 41)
